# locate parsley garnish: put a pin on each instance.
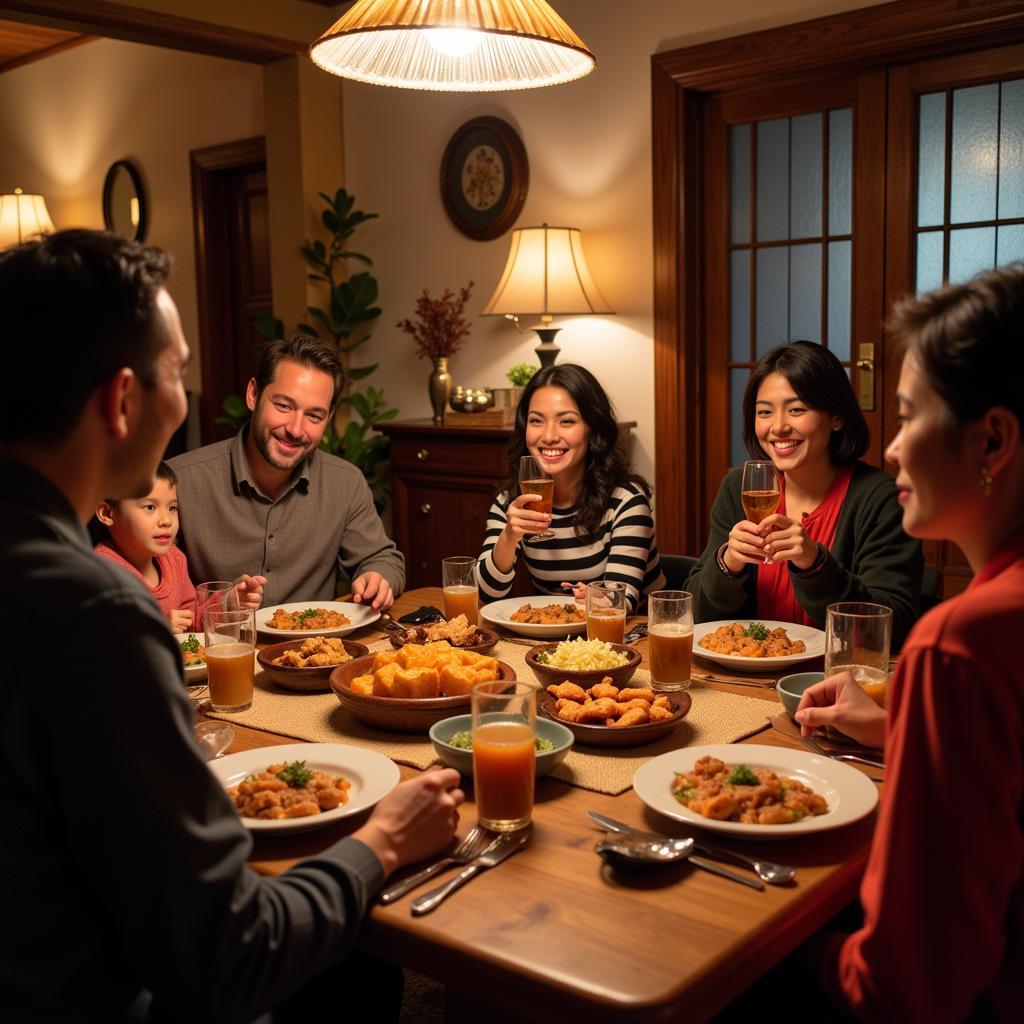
(756, 630)
(307, 614)
(191, 645)
(741, 775)
(295, 774)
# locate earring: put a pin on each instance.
(985, 483)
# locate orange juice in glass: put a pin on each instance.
(670, 639)
(858, 635)
(230, 657)
(504, 753)
(606, 611)
(458, 578)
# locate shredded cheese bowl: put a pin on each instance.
(583, 661)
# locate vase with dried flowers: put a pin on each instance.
(438, 330)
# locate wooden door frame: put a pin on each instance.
(206, 165)
(682, 81)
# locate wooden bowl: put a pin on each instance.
(398, 714)
(548, 675)
(490, 639)
(304, 680)
(610, 736)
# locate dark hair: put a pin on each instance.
(304, 349)
(85, 302)
(165, 473)
(606, 466)
(819, 380)
(99, 533)
(967, 339)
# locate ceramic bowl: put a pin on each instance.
(462, 760)
(618, 736)
(304, 680)
(397, 714)
(547, 675)
(791, 688)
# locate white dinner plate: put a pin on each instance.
(193, 673)
(498, 613)
(850, 795)
(813, 638)
(372, 775)
(360, 615)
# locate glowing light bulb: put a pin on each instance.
(453, 42)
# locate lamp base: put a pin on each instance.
(547, 351)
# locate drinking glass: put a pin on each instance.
(504, 752)
(458, 576)
(606, 611)
(760, 491)
(857, 638)
(220, 594)
(533, 480)
(670, 639)
(230, 657)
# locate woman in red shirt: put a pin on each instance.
(943, 894)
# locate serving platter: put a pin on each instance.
(814, 639)
(372, 776)
(499, 613)
(850, 794)
(360, 615)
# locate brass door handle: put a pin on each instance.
(423, 454)
(425, 508)
(866, 376)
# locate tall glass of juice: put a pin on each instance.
(533, 479)
(670, 639)
(504, 752)
(230, 657)
(857, 639)
(458, 577)
(606, 611)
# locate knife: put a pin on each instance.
(509, 843)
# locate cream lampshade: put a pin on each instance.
(21, 217)
(453, 45)
(546, 276)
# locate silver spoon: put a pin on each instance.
(631, 852)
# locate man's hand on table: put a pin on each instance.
(250, 590)
(841, 702)
(417, 818)
(371, 588)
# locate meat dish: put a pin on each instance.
(549, 614)
(753, 641)
(289, 791)
(314, 653)
(308, 618)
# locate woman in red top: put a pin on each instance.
(837, 534)
(943, 894)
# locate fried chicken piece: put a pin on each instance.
(290, 659)
(635, 703)
(662, 701)
(634, 716)
(570, 711)
(568, 690)
(604, 689)
(637, 694)
(659, 713)
(598, 710)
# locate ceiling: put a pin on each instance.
(21, 44)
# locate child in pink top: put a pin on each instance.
(142, 532)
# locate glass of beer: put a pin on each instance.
(857, 639)
(759, 491)
(230, 657)
(504, 752)
(533, 480)
(458, 575)
(606, 611)
(670, 639)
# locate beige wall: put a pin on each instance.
(65, 120)
(589, 146)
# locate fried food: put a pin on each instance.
(289, 791)
(754, 796)
(570, 691)
(308, 618)
(314, 652)
(634, 716)
(753, 641)
(420, 671)
(606, 704)
(549, 614)
(458, 632)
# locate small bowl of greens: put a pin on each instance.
(454, 744)
(193, 656)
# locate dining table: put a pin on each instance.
(555, 933)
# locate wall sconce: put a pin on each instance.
(21, 217)
(546, 276)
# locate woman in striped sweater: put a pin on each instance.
(601, 523)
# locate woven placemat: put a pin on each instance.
(714, 717)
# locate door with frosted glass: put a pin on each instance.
(794, 243)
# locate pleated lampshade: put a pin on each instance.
(21, 217)
(453, 45)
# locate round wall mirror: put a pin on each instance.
(124, 201)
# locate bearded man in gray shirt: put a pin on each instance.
(270, 501)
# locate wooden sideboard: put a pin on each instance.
(444, 480)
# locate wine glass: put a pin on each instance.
(534, 480)
(760, 492)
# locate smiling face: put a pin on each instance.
(557, 436)
(794, 436)
(143, 528)
(290, 415)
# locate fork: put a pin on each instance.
(470, 847)
(812, 744)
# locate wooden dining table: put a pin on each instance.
(553, 933)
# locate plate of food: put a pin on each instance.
(301, 619)
(757, 644)
(193, 654)
(718, 786)
(306, 665)
(278, 780)
(544, 616)
(458, 632)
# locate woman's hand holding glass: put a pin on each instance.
(840, 702)
(521, 521)
(786, 541)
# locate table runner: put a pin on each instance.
(715, 717)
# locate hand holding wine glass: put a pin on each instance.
(759, 494)
(534, 480)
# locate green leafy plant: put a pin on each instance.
(343, 320)
(520, 374)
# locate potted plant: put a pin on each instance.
(518, 376)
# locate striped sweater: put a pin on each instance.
(625, 550)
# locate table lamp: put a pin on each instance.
(21, 217)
